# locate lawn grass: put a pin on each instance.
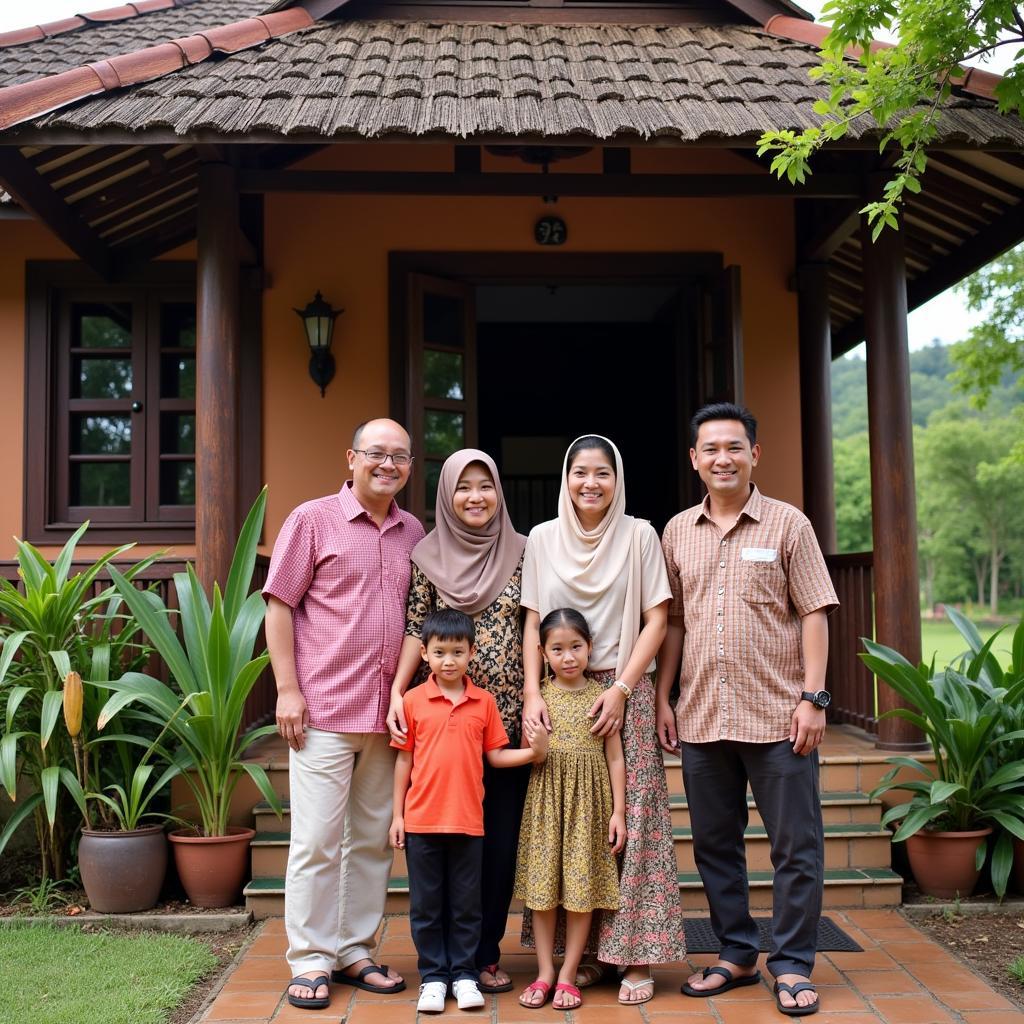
(55, 975)
(940, 637)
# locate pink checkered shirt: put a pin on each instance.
(346, 581)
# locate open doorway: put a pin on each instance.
(520, 353)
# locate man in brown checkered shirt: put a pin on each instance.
(748, 622)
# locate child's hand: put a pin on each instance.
(617, 832)
(538, 739)
(397, 833)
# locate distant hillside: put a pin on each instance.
(929, 388)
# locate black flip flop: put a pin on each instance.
(796, 1011)
(493, 969)
(731, 981)
(313, 984)
(347, 979)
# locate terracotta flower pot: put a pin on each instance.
(122, 872)
(943, 862)
(212, 868)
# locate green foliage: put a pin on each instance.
(901, 88)
(43, 897)
(63, 975)
(852, 466)
(214, 670)
(54, 623)
(994, 350)
(970, 714)
(1016, 969)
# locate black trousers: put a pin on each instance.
(444, 903)
(504, 797)
(785, 788)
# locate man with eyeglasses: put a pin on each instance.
(336, 591)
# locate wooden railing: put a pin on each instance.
(259, 707)
(851, 684)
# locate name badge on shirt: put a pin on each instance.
(759, 554)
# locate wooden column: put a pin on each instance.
(217, 364)
(816, 402)
(893, 502)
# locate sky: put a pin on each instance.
(945, 317)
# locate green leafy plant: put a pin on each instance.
(214, 669)
(967, 713)
(53, 623)
(47, 895)
(1016, 969)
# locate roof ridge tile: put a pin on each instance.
(47, 29)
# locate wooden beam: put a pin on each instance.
(218, 344)
(815, 331)
(616, 160)
(35, 195)
(637, 186)
(891, 443)
(831, 233)
(467, 159)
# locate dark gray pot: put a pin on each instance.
(122, 872)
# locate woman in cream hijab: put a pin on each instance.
(472, 561)
(609, 566)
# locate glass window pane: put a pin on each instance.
(177, 483)
(442, 320)
(432, 474)
(101, 435)
(93, 377)
(443, 432)
(178, 325)
(100, 483)
(178, 377)
(177, 433)
(442, 374)
(101, 325)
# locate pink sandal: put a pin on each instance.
(573, 991)
(538, 986)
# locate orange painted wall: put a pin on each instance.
(340, 244)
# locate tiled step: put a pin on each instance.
(836, 809)
(265, 820)
(870, 887)
(846, 846)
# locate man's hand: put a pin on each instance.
(397, 725)
(610, 711)
(397, 833)
(539, 741)
(668, 738)
(806, 728)
(292, 717)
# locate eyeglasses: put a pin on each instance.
(378, 458)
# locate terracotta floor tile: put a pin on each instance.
(869, 960)
(262, 968)
(680, 1015)
(762, 1012)
(874, 918)
(608, 1014)
(992, 1016)
(951, 977)
(274, 944)
(826, 974)
(863, 939)
(840, 999)
(978, 998)
(824, 1017)
(236, 1005)
(393, 945)
(876, 983)
(293, 1015)
(917, 953)
(273, 926)
(254, 984)
(903, 932)
(910, 1010)
(396, 1013)
(513, 1013)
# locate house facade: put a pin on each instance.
(536, 220)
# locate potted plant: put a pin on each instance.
(963, 711)
(52, 622)
(214, 668)
(122, 859)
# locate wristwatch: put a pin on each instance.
(820, 698)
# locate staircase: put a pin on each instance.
(857, 849)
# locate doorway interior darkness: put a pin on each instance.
(519, 353)
(557, 361)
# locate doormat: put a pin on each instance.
(831, 938)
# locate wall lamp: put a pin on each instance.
(318, 319)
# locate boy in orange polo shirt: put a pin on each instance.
(438, 816)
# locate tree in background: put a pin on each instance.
(900, 87)
(852, 468)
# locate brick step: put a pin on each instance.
(836, 809)
(870, 887)
(846, 846)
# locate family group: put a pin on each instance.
(496, 706)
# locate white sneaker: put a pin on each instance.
(432, 995)
(468, 994)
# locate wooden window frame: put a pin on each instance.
(47, 284)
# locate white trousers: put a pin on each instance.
(339, 858)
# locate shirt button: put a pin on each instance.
(724, 542)
(722, 680)
(721, 590)
(721, 565)
(720, 627)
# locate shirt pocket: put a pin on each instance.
(763, 583)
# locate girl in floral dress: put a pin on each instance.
(574, 821)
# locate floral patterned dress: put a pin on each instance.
(564, 856)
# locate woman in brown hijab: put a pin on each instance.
(472, 560)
